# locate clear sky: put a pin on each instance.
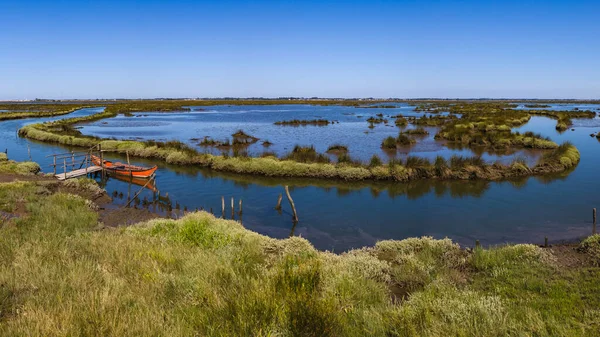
(145, 49)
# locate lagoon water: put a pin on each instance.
(337, 215)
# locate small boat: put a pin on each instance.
(125, 169)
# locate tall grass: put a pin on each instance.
(199, 275)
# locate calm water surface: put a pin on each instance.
(339, 215)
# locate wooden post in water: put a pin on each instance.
(28, 151)
(101, 159)
(546, 242)
(72, 160)
(240, 206)
(594, 221)
(232, 207)
(278, 207)
(54, 164)
(477, 245)
(223, 206)
(65, 166)
(128, 163)
(287, 193)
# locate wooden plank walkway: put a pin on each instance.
(78, 173)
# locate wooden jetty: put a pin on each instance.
(75, 164)
(78, 173)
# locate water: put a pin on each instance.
(220, 122)
(340, 215)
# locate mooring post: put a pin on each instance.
(279, 202)
(287, 193)
(240, 206)
(223, 206)
(546, 242)
(28, 151)
(72, 160)
(477, 245)
(128, 163)
(594, 220)
(54, 164)
(101, 160)
(232, 207)
(65, 166)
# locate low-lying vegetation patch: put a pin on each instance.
(13, 167)
(297, 122)
(419, 131)
(306, 154)
(337, 149)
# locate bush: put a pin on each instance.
(375, 161)
(591, 246)
(389, 143)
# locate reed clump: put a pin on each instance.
(337, 149)
(306, 154)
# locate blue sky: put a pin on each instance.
(131, 49)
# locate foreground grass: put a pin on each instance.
(60, 275)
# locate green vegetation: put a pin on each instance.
(337, 149)
(13, 167)
(18, 111)
(591, 246)
(62, 274)
(378, 120)
(306, 154)
(296, 122)
(543, 106)
(391, 143)
(380, 106)
(419, 131)
(401, 121)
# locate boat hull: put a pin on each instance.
(125, 170)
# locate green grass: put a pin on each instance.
(10, 166)
(60, 275)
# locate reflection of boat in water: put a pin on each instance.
(125, 169)
(151, 185)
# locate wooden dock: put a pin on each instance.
(78, 173)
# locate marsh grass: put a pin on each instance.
(200, 275)
(337, 148)
(13, 167)
(298, 122)
(306, 154)
(419, 131)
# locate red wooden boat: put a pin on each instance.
(125, 169)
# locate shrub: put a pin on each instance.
(591, 246)
(389, 143)
(375, 161)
